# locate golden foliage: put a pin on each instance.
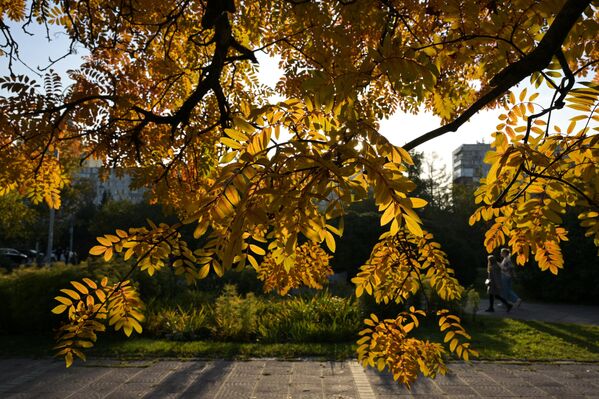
(88, 306)
(308, 266)
(171, 90)
(538, 172)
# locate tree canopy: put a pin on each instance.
(170, 88)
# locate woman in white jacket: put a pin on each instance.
(507, 273)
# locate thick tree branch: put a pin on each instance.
(513, 74)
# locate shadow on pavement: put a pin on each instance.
(200, 380)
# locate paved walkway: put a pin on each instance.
(557, 313)
(272, 379)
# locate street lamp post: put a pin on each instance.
(51, 228)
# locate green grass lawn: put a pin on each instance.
(495, 339)
(503, 339)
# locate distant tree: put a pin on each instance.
(436, 183)
(17, 220)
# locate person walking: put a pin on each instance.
(494, 284)
(507, 275)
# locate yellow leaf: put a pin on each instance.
(127, 329)
(230, 143)
(405, 156)
(71, 293)
(218, 269)
(80, 287)
(418, 202)
(413, 226)
(63, 300)
(90, 283)
(236, 135)
(453, 344)
(112, 238)
(59, 309)
(108, 255)
(522, 95)
(257, 250)
(330, 241)
(97, 250)
(128, 254)
(104, 241)
(380, 364)
(253, 261)
(388, 215)
(204, 270)
(359, 291)
(136, 326)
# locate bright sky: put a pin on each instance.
(399, 129)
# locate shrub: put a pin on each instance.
(27, 296)
(27, 293)
(235, 318)
(177, 324)
(321, 318)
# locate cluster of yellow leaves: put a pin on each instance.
(14, 10)
(46, 184)
(401, 264)
(88, 306)
(154, 248)
(42, 185)
(537, 173)
(309, 266)
(385, 344)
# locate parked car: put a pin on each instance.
(10, 257)
(33, 255)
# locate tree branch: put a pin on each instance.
(513, 74)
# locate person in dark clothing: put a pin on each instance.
(494, 284)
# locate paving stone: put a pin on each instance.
(340, 396)
(306, 379)
(559, 390)
(306, 388)
(452, 379)
(264, 379)
(126, 395)
(267, 395)
(524, 390)
(236, 389)
(336, 387)
(389, 389)
(474, 378)
(279, 388)
(457, 390)
(491, 391)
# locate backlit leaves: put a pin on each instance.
(308, 266)
(172, 94)
(385, 344)
(89, 307)
(537, 173)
